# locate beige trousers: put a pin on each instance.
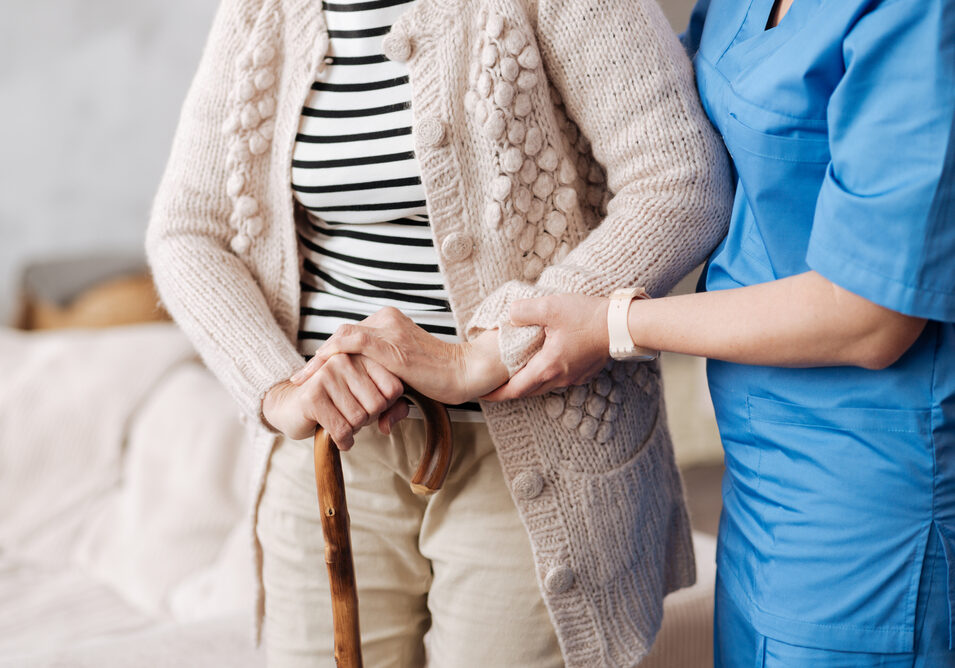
(446, 581)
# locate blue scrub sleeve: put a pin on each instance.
(884, 226)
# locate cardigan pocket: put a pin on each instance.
(627, 510)
(588, 440)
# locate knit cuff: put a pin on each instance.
(282, 365)
(517, 344)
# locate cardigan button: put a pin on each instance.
(397, 47)
(528, 485)
(457, 247)
(559, 579)
(431, 132)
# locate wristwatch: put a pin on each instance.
(621, 345)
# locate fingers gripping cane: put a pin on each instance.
(429, 477)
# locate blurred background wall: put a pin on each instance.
(90, 92)
(678, 11)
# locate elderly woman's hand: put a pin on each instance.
(575, 347)
(345, 394)
(448, 372)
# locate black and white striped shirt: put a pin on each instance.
(367, 242)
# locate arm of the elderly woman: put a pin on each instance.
(449, 372)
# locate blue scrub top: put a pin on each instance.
(840, 125)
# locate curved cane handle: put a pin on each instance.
(438, 448)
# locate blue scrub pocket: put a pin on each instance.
(843, 507)
(779, 168)
(807, 149)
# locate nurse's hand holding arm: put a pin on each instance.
(799, 321)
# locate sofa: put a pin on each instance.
(123, 484)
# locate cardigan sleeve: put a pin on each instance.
(204, 285)
(627, 83)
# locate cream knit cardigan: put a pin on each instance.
(562, 149)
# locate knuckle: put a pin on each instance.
(390, 313)
(552, 371)
(337, 427)
(344, 331)
(337, 364)
(394, 389)
(548, 306)
(379, 406)
(352, 334)
(312, 391)
(356, 417)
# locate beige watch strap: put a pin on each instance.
(621, 345)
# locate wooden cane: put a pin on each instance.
(429, 477)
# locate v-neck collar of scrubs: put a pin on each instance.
(754, 43)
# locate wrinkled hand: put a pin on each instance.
(575, 349)
(449, 372)
(345, 394)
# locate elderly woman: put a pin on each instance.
(426, 163)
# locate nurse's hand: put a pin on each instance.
(346, 394)
(448, 372)
(576, 345)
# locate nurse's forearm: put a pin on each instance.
(803, 320)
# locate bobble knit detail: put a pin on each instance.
(592, 408)
(501, 103)
(250, 128)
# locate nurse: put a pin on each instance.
(828, 318)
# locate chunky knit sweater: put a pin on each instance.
(562, 149)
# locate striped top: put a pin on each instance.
(366, 243)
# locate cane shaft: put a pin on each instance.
(338, 553)
(434, 466)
